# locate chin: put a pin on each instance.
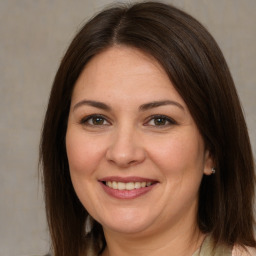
(127, 224)
(126, 229)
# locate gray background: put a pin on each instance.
(34, 35)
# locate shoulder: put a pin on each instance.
(240, 251)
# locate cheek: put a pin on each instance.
(84, 157)
(179, 153)
(84, 154)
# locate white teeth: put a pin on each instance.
(128, 185)
(121, 186)
(137, 185)
(114, 185)
(143, 184)
(109, 184)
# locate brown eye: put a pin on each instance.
(160, 120)
(95, 120)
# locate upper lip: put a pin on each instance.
(126, 179)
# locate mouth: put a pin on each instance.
(127, 188)
(127, 185)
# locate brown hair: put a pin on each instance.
(197, 68)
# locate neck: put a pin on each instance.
(175, 242)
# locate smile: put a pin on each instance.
(127, 186)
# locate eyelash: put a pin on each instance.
(165, 119)
(85, 120)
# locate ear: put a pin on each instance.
(208, 163)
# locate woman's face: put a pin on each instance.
(135, 154)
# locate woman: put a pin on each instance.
(144, 148)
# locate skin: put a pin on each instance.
(128, 140)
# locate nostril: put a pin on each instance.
(132, 162)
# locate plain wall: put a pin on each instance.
(34, 36)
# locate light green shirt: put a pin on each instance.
(207, 249)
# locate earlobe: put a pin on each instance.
(209, 168)
(209, 171)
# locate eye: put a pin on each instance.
(160, 120)
(95, 120)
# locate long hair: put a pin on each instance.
(197, 69)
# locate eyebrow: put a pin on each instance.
(92, 103)
(143, 107)
(156, 104)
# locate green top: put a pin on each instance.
(207, 249)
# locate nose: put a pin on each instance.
(125, 149)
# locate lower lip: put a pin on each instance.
(126, 194)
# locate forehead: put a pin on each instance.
(124, 72)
